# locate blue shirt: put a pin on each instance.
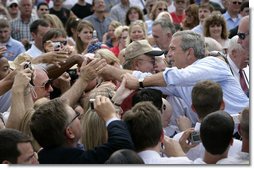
(181, 81)
(101, 27)
(231, 23)
(14, 48)
(198, 29)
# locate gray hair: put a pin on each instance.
(165, 24)
(192, 40)
(234, 45)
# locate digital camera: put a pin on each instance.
(195, 137)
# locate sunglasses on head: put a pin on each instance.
(46, 85)
(242, 36)
(76, 116)
(236, 2)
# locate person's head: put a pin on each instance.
(244, 8)
(233, 6)
(180, 5)
(25, 7)
(54, 35)
(152, 95)
(134, 13)
(185, 48)
(4, 12)
(42, 84)
(144, 124)
(4, 67)
(157, 8)
(239, 56)
(112, 27)
(58, 3)
(12, 7)
(63, 127)
(124, 156)
(38, 29)
(204, 10)
(215, 26)
(137, 31)
(244, 123)
(216, 132)
(5, 30)
(149, 6)
(98, 6)
(71, 26)
(212, 45)
(53, 21)
(165, 15)
(94, 130)
(85, 34)
(191, 16)
(139, 55)
(42, 8)
(207, 97)
(109, 56)
(121, 33)
(162, 32)
(16, 148)
(244, 33)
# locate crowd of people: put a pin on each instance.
(124, 82)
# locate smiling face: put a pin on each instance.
(86, 35)
(215, 30)
(137, 33)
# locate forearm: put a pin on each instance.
(154, 80)
(17, 111)
(54, 71)
(74, 93)
(5, 85)
(114, 72)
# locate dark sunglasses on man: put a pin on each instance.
(242, 36)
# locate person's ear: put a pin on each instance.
(222, 105)
(69, 133)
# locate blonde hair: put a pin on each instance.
(107, 55)
(53, 21)
(119, 30)
(94, 131)
(140, 23)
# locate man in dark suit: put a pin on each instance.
(56, 127)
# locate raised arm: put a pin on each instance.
(87, 73)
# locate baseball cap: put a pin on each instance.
(9, 2)
(140, 47)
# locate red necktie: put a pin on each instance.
(243, 82)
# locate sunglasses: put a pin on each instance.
(76, 116)
(62, 42)
(236, 2)
(242, 36)
(46, 85)
(162, 9)
(13, 5)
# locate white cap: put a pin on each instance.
(9, 2)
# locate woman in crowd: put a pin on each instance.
(137, 31)
(191, 17)
(134, 13)
(109, 38)
(216, 28)
(71, 30)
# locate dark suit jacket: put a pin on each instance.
(118, 138)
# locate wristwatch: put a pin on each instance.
(140, 81)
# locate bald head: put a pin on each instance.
(243, 32)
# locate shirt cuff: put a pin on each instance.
(111, 120)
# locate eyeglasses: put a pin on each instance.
(62, 42)
(76, 116)
(242, 36)
(236, 2)
(162, 9)
(46, 85)
(13, 5)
